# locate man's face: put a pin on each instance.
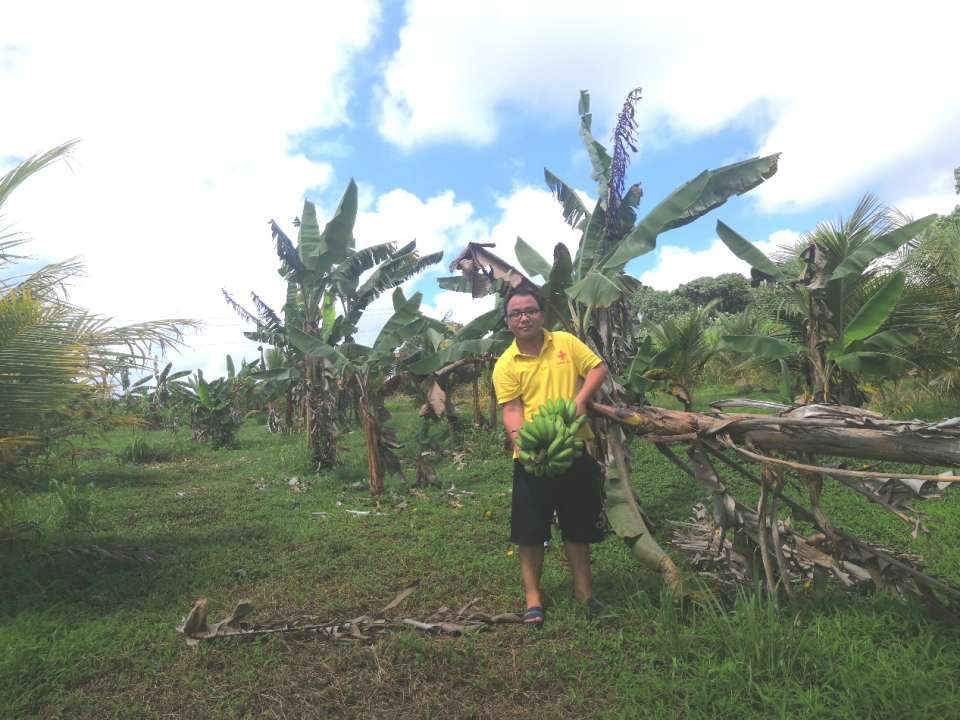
(524, 317)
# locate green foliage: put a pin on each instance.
(214, 407)
(847, 314)
(76, 506)
(731, 290)
(141, 450)
(692, 340)
(659, 305)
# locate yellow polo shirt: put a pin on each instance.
(563, 361)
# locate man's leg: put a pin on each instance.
(531, 566)
(578, 558)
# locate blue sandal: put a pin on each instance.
(595, 608)
(534, 617)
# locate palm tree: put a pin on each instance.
(851, 309)
(694, 342)
(54, 355)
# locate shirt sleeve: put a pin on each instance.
(505, 384)
(584, 359)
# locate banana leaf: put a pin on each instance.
(747, 251)
(871, 316)
(358, 262)
(784, 393)
(643, 238)
(589, 248)
(554, 292)
(387, 344)
(290, 262)
(532, 262)
(337, 236)
(277, 374)
(455, 352)
(574, 211)
(458, 283)
(393, 272)
(310, 345)
(599, 157)
(405, 311)
(327, 314)
(724, 183)
(481, 325)
(269, 338)
(892, 339)
(873, 363)
(595, 290)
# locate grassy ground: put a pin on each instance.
(95, 638)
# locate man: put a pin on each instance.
(537, 367)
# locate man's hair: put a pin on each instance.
(521, 291)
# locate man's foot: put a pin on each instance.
(594, 607)
(533, 617)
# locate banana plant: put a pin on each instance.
(215, 406)
(844, 299)
(588, 293)
(358, 366)
(155, 410)
(322, 270)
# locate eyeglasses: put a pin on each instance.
(517, 314)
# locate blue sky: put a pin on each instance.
(195, 134)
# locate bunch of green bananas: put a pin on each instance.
(546, 443)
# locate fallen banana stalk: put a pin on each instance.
(763, 544)
(360, 629)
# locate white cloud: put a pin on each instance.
(678, 265)
(461, 306)
(857, 99)
(440, 223)
(186, 117)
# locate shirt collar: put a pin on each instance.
(547, 338)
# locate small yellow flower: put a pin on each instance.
(808, 583)
(414, 510)
(488, 513)
(666, 505)
(509, 552)
(716, 531)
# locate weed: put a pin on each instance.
(140, 451)
(77, 506)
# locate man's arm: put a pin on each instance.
(591, 383)
(512, 413)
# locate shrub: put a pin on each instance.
(77, 504)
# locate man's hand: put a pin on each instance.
(591, 383)
(512, 413)
(581, 404)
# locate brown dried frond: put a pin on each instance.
(121, 553)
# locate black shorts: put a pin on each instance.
(575, 495)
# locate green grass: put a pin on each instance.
(95, 638)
